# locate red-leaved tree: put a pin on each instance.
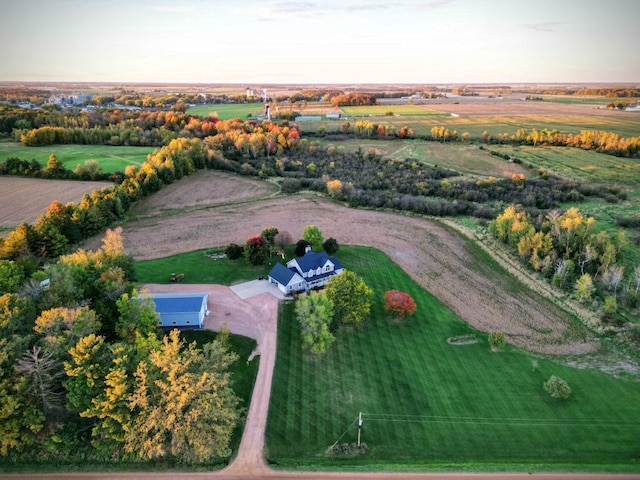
(399, 304)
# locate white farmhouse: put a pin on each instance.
(312, 270)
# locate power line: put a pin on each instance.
(402, 418)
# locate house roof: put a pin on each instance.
(312, 260)
(282, 274)
(178, 303)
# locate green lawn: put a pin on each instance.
(404, 110)
(226, 111)
(428, 404)
(198, 268)
(582, 165)
(111, 159)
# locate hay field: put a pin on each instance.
(111, 159)
(25, 199)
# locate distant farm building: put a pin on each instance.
(308, 118)
(181, 310)
(334, 116)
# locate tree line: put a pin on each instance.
(65, 225)
(85, 372)
(570, 251)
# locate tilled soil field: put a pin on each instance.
(206, 188)
(437, 257)
(25, 199)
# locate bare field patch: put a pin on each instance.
(25, 199)
(441, 260)
(202, 189)
(518, 108)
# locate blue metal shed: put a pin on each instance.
(181, 310)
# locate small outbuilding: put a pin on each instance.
(181, 310)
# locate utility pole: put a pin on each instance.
(359, 427)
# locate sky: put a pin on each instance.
(320, 41)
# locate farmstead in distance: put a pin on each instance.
(312, 270)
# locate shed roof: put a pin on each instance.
(179, 303)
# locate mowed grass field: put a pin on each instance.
(404, 110)
(432, 405)
(461, 157)
(198, 268)
(226, 111)
(583, 165)
(111, 159)
(625, 125)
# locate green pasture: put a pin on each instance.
(461, 157)
(626, 124)
(430, 405)
(226, 111)
(197, 267)
(111, 159)
(576, 163)
(404, 110)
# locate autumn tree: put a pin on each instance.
(334, 187)
(256, 249)
(351, 298)
(183, 402)
(62, 327)
(313, 235)
(399, 304)
(269, 235)
(584, 288)
(314, 313)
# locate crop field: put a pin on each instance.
(403, 110)
(226, 111)
(111, 159)
(496, 117)
(25, 199)
(206, 189)
(583, 165)
(463, 158)
(430, 403)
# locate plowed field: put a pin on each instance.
(25, 199)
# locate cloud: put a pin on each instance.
(544, 27)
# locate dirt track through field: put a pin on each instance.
(438, 258)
